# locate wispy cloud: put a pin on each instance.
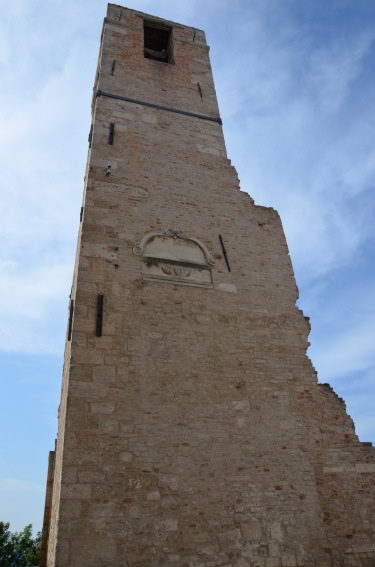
(41, 184)
(298, 150)
(333, 68)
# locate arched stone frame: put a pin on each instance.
(175, 256)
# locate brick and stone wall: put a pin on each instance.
(192, 432)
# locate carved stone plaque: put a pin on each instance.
(172, 255)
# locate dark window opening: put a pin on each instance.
(157, 42)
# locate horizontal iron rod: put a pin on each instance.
(151, 105)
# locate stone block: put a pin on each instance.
(251, 531)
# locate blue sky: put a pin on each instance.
(296, 87)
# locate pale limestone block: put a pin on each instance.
(87, 389)
(70, 474)
(62, 555)
(84, 456)
(210, 550)
(241, 405)
(103, 509)
(135, 511)
(126, 457)
(169, 502)
(211, 151)
(99, 548)
(251, 531)
(168, 481)
(339, 469)
(104, 491)
(120, 362)
(84, 422)
(98, 250)
(361, 548)
(277, 532)
(103, 374)
(174, 558)
(139, 192)
(286, 424)
(87, 356)
(288, 560)
(91, 477)
(159, 350)
(274, 548)
(149, 118)
(244, 562)
(230, 288)
(365, 467)
(169, 525)
(110, 427)
(76, 491)
(103, 408)
(241, 422)
(154, 335)
(72, 510)
(106, 342)
(203, 319)
(155, 495)
(126, 428)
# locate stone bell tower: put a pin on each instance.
(192, 430)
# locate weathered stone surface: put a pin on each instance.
(192, 432)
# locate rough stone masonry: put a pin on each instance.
(192, 429)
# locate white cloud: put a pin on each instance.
(41, 191)
(334, 67)
(350, 351)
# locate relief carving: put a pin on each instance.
(173, 255)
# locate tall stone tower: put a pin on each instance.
(192, 430)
